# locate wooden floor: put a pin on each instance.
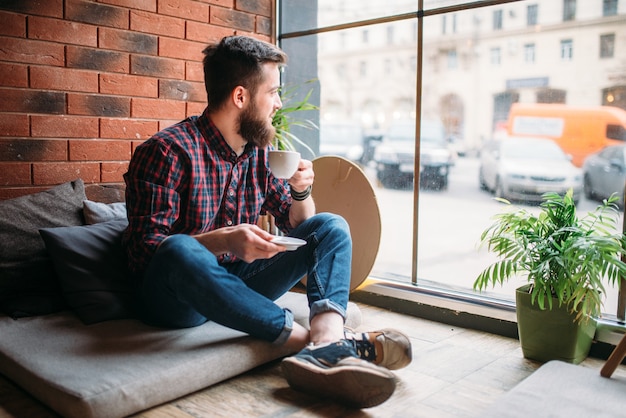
(455, 373)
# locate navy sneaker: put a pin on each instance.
(387, 348)
(335, 371)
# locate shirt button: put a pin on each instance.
(231, 193)
(229, 223)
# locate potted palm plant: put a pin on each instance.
(566, 260)
(283, 120)
(283, 157)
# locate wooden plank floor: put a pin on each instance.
(455, 373)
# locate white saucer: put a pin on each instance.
(289, 242)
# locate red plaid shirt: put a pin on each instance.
(187, 180)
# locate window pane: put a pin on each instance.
(471, 79)
(607, 45)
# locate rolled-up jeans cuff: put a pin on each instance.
(287, 328)
(326, 305)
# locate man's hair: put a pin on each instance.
(236, 61)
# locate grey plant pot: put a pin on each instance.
(551, 334)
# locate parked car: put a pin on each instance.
(341, 139)
(604, 173)
(395, 155)
(524, 168)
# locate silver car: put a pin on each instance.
(523, 169)
(605, 173)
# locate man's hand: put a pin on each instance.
(303, 177)
(247, 242)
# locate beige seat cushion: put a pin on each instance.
(116, 368)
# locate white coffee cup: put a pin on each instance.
(283, 163)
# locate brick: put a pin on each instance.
(28, 51)
(264, 25)
(98, 59)
(15, 174)
(51, 8)
(186, 9)
(122, 40)
(98, 105)
(112, 172)
(12, 24)
(127, 128)
(99, 150)
(33, 150)
(195, 108)
(263, 8)
(13, 124)
(147, 5)
(157, 109)
(157, 24)
(224, 3)
(167, 122)
(203, 32)
(182, 90)
(64, 127)
(232, 19)
(181, 49)
(65, 79)
(129, 85)
(13, 75)
(62, 31)
(194, 71)
(32, 101)
(57, 173)
(135, 144)
(157, 67)
(13, 192)
(96, 14)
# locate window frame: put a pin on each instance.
(432, 301)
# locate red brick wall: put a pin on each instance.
(82, 82)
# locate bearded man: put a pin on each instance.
(194, 194)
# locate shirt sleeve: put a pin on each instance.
(152, 200)
(278, 203)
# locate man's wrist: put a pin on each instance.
(300, 196)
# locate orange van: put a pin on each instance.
(579, 131)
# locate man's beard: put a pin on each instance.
(255, 131)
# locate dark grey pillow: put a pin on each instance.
(92, 269)
(28, 283)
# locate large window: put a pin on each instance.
(452, 74)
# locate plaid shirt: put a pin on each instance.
(187, 180)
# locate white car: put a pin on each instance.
(524, 168)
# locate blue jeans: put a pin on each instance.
(185, 286)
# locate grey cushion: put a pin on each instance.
(96, 212)
(117, 368)
(28, 284)
(559, 389)
(92, 269)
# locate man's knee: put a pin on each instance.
(332, 222)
